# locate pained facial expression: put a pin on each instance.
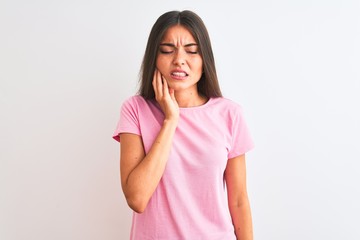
(179, 60)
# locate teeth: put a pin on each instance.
(179, 74)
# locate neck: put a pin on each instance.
(190, 99)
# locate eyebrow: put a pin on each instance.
(172, 45)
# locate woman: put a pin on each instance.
(183, 145)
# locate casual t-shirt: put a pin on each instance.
(190, 201)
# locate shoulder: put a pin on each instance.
(138, 105)
(226, 105)
(229, 111)
(136, 101)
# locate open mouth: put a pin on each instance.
(179, 74)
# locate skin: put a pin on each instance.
(179, 50)
(140, 172)
(238, 201)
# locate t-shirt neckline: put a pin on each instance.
(207, 103)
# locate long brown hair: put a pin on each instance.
(208, 84)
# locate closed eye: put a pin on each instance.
(192, 49)
(165, 52)
(192, 52)
(166, 49)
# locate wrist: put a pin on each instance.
(172, 122)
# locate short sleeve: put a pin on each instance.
(241, 141)
(129, 119)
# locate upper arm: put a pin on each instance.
(131, 154)
(235, 177)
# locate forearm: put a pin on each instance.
(242, 220)
(144, 178)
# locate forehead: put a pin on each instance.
(178, 34)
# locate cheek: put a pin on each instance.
(157, 62)
(198, 65)
(160, 63)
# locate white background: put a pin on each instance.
(66, 67)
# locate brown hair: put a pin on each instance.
(208, 84)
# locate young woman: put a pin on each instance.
(183, 145)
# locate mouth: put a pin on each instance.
(179, 74)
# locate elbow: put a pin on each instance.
(137, 208)
(137, 204)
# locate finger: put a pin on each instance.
(154, 79)
(159, 83)
(154, 82)
(165, 86)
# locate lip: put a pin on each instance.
(178, 74)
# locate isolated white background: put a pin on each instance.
(66, 67)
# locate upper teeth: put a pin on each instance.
(180, 74)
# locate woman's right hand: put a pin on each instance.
(141, 172)
(165, 96)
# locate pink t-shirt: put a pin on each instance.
(190, 201)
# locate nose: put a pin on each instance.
(179, 58)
